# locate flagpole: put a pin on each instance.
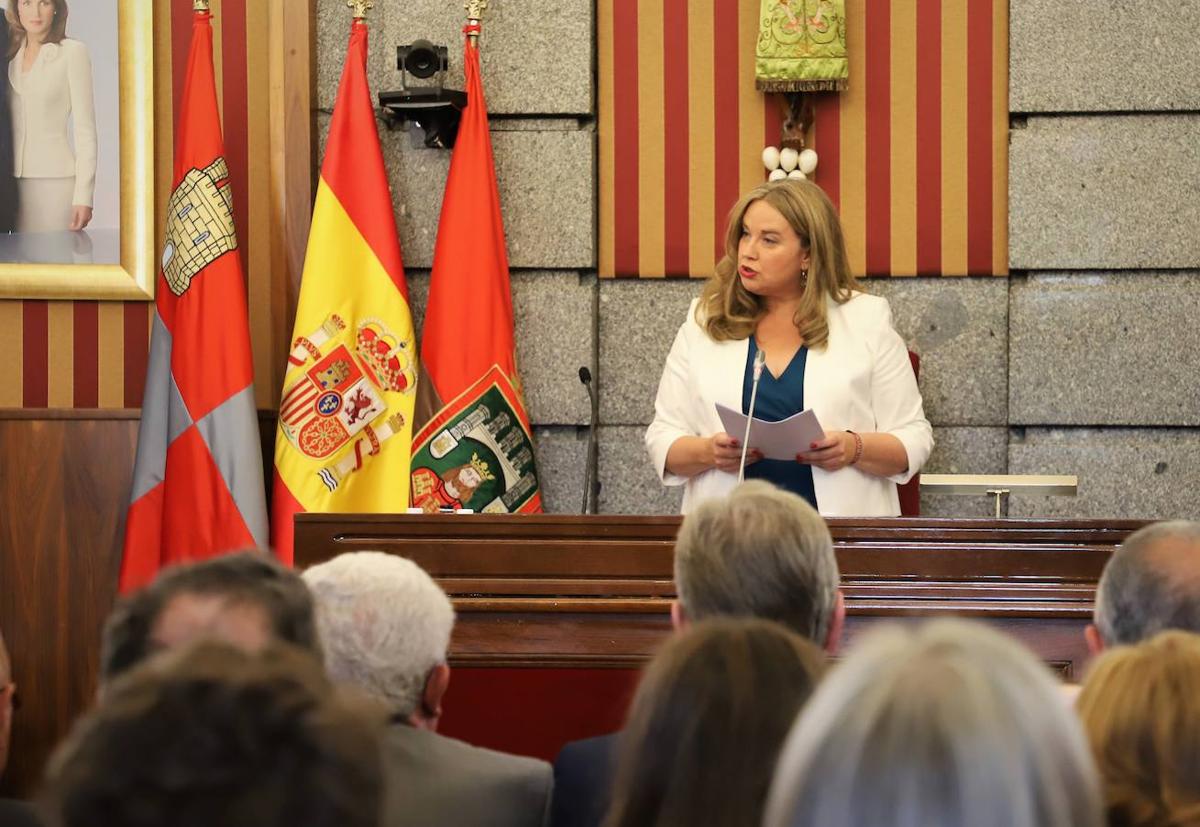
(475, 10)
(200, 5)
(361, 7)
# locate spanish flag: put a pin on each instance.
(476, 452)
(197, 482)
(345, 417)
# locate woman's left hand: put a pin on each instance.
(81, 216)
(831, 453)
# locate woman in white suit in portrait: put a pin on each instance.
(50, 76)
(784, 288)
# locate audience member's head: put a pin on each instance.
(213, 736)
(1140, 707)
(707, 723)
(1151, 583)
(760, 552)
(951, 724)
(385, 628)
(245, 599)
(7, 692)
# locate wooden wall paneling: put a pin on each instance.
(293, 167)
(63, 486)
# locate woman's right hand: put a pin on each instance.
(727, 452)
(692, 455)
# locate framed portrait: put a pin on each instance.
(77, 149)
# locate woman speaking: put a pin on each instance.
(784, 288)
(51, 80)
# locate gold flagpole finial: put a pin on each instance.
(475, 10)
(361, 7)
(200, 5)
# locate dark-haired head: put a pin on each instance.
(708, 721)
(246, 599)
(213, 736)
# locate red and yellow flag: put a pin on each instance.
(345, 416)
(476, 452)
(198, 486)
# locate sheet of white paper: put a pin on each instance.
(776, 440)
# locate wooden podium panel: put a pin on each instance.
(556, 613)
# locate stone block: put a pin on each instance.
(418, 297)
(1069, 57)
(552, 320)
(561, 454)
(1105, 193)
(536, 56)
(628, 484)
(959, 450)
(1124, 473)
(1091, 349)
(638, 322)
(959, 328)
(547, 196)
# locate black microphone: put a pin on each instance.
(591, 479)
(760, 359)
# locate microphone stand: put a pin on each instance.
(760, 359)
(591, 479)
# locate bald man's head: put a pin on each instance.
(1151, 583)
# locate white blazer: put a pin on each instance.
(58, 85)
(861, 381)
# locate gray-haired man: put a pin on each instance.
(1151, 583)
(386, 626)
(759, 552)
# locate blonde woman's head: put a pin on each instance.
(729, 311)
(1140, 707)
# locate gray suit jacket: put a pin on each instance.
(433, 780)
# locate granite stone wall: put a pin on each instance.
(1083, 362)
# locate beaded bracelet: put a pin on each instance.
(858, 448)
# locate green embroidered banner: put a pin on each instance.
(801, 46)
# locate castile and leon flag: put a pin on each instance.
(198, 481)
(473, 449)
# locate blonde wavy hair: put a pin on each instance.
(1141, 710)
(728, 311)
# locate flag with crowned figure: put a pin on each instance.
(476, 450)
(345, 415)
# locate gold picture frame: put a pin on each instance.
(133, 277)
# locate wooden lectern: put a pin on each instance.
(556, 612)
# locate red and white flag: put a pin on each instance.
(198, 483)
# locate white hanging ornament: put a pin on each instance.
(770, 158)
(807, 162)
(777, 175)
(788, 158)
(797, 175)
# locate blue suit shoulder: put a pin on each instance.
(583, 777)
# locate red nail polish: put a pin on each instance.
(813, 446)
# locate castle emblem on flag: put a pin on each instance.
(340, 396)
(199, 225)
